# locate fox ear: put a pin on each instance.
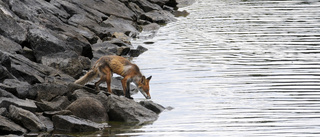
(143, 79)
(149, 78)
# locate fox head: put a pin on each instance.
(143, 86)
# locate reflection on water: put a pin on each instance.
(230, 68)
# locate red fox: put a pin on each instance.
(107, 65)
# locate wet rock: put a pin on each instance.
(25, 104)
(75, 124)
(29, 120)
(8, 127)
(157, 108)
(89, 108)
(58, 103)
(160, 17)
(127, 110)
(138, 51)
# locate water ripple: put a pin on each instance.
(237, 67)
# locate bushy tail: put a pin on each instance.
(89, 76)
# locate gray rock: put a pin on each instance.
(160, 17)
(89, 108)
(47, 122)
(8, 45)
(31, 72)
(8, 127)
(59, 103)
(25, 104)
(75, 124)
(11, 29)
(18, 88)
(138, 51)
(49, 91)
(29, 120)
(6, 94)
(68, 62)
(3, 112)
(147, 6)
(127, 110)
(50, 114)
(157, 108)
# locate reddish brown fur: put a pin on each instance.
(106, 65)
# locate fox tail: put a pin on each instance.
(89, 76)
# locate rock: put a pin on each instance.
(68, 62)
(160, 17)
(11, 29)
(8, 45)
(18, 88)
(45, 42)
(25, 104)
(157, 108)
(4, 93)
(121, 25)
(50, 114)
(74, 124)
(89, 108)
(107, 7)
(49, 91)
(31, 72)
(8, 127)
(3, 112)
(59, 103)
(138, 51)
(147, 6)
(82, 93)
(127, 110)
(47, 122)
(29, 120)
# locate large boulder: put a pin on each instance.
(127, 110)
(75, 124)
(9, 127)
(89, 108)
(29, 120)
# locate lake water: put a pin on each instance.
(235, 68)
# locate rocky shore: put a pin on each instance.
(46, 44)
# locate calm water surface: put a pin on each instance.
(236, 68)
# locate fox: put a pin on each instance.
(107, 65)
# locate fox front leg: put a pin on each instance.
(126, 87)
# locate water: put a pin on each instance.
(236, 68)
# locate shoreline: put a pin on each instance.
(46, 45)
